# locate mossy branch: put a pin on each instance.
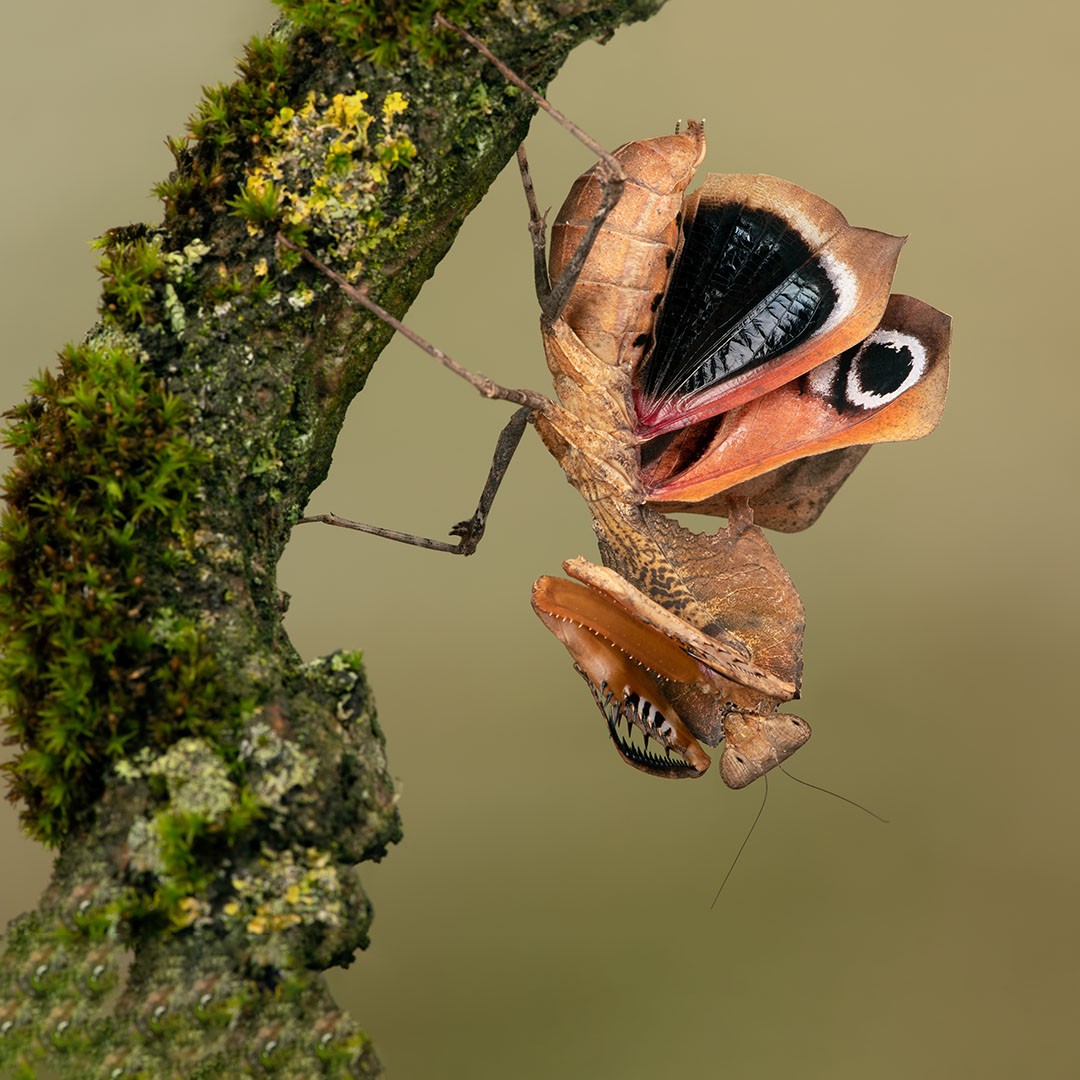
(209, 793)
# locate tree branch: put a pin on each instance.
(209, 793)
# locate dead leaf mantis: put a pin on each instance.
(730, 352)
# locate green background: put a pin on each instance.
(548, 912)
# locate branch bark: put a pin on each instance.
(209, 793)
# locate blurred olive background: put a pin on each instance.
(548, 912)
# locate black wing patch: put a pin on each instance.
(745, 288)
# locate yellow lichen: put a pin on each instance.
(393, 104)
(290, 890)
(325, 170)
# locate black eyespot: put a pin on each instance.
(670, 258)
(678, 219)
(656, 300)
(641, 339)
(882, 368)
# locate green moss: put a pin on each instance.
(102, 494)
(142, 283)
(380, 30)
(223, 131)
(258, 202)
(240, 110)
(130, 271)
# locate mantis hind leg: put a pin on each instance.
(469, 532)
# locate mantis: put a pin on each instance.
(731, 352)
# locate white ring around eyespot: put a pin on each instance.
(847, 290)
(820, 380)
(897, 340)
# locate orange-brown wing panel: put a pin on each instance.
(890, 387)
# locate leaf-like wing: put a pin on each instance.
(770, 281)
(888, 388)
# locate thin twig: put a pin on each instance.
(387, 534)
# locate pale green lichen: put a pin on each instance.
(196, 778)
(190, 256)
(143, 846)
(301, 297)
(346, 672)
(280, 765)
(174, 310)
